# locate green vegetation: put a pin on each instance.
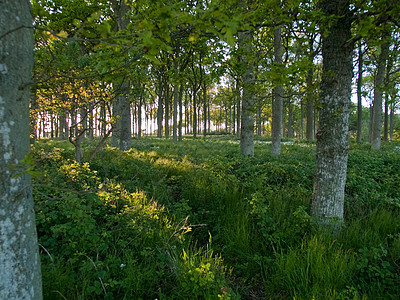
(196, 220)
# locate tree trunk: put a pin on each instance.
(310, 106)
(195, 113)
(247, 115)
(238, 108)
(83, 115)
(359, 92)
(301, 120)
(139, 117)
(124, 110)
(103, 126)
(63, 121)
(205, 109)
(125, 136)
(116, 125)
(335, 99)
(371, 116)
(386, 119)
(20, 275)
(391, 119)
(160, 110)
(377, 113)
(278, 96)
(290, 120)
(175, 113)
(167, 109)
(259, 121)
(91, 123)
(180, 113)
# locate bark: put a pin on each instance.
(52, 125)
(124, 108)
(125, 136)
(259, 121)
(377, 112)
(103, 126)
(20, 275)
(194, 113)
(83, 114)
(160, 111)
(77, 142)
(116, 125)
(180, 113)
(371, 115)
(91, 123)
(332, 136)
(205, 109)
(139, 117)
(175, 114)
(238, 108)
(290, 120)
(391, 119)
(359, 93)
(167, 109)
(278, 96)
(176, 97)
(386, 119)
(301, 120)
(310, 106)
(247, 115)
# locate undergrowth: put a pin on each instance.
(196, 220)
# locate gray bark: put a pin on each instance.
(278, 96)
(391, 118)
(195, 113)
(310, 106)
(176, 100)
(125, 135)
(247, 115)
(332, 136)
(116, 125)
(386, 120)
(20, 275)
(359, 93)
(124, 108)
(205, 109)
(63, 124)
(238, 108)
(290, 120)
(377, 112)
(160, 111)
(166, 108)
(180, 113)
(139, 115)
(91, 122)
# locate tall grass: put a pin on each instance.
(257, 210)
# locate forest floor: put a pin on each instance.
(197, 220)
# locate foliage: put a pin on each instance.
(138, 223)
(101, 241)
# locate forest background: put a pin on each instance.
(175, 143)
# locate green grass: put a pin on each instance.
(196, 220)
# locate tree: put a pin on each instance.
(278, 97)
(332, 136)
(378, 92)
(245, 41)
(20, 276)
(359, 92)
(123, 102)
